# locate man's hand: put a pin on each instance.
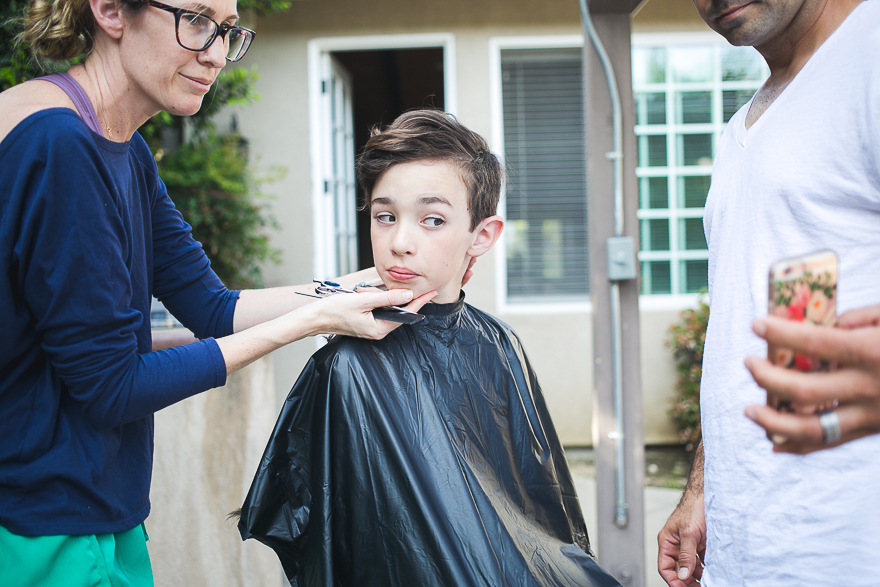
(854, 386)
(682, 541)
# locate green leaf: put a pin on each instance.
(685, 339)
(209, 177)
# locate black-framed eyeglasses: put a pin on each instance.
(196, 32)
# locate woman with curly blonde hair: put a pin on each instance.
(87, 235)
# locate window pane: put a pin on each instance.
(654, 192)
(694, 275)
(656, 278)
(652, 150)
(693, 190)
(694, 107)
(649, 65)
(547, 240)
(692, 64)
(655, 234)
(692, 235)
(733, 100)
(695, 149)
(651, 108)
(741, 64)
(704, 86)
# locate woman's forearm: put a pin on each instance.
(256, 306)
(349, 315)
(260, 338)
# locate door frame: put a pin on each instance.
(324, 258)
(339, 228)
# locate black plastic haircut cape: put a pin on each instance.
(425, 459)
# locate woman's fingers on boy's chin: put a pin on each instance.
(420, 301)
(392, 297)
(383, 327)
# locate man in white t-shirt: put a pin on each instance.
(797, 171)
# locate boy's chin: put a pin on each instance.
(417, 291)
(443, 296)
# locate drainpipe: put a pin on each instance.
(621, 266)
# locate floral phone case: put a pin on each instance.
(804, 289)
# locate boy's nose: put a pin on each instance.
(402, 242)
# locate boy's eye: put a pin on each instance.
(384, 217)
(434, 221)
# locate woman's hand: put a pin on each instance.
(256, 306)
(346, 314)
(351, 315)
(268, 319)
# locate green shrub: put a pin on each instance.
(209, 177)
(210, 181)
(16, 65)
(686, 339)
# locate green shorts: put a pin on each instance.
(96, 560)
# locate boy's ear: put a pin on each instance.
(108, 16)
(487, 232)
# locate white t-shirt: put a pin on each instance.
(804, 177)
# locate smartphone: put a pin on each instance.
(803, 289)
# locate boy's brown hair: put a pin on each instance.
(434, 135)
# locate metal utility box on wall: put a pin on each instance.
(621, 258)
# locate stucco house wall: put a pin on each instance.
(207, 449)
(559, 343)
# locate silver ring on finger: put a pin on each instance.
(830, 423)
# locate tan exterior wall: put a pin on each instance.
(347, 17)
(207, 449)
(668, 15)
(658, 376)
(559, 345)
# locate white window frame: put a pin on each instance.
(496, 46)
(679, 301)
(324, 259)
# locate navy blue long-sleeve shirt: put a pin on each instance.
(87, 234)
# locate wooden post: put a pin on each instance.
(621, 551)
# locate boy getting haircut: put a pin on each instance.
(427, 458)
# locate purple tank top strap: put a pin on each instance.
(78, 95)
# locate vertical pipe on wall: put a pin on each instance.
(621, 515)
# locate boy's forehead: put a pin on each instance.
(422, 183)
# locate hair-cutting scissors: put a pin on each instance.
(389, 313)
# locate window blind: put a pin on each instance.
(546, 196)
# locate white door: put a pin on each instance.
(339, 210)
